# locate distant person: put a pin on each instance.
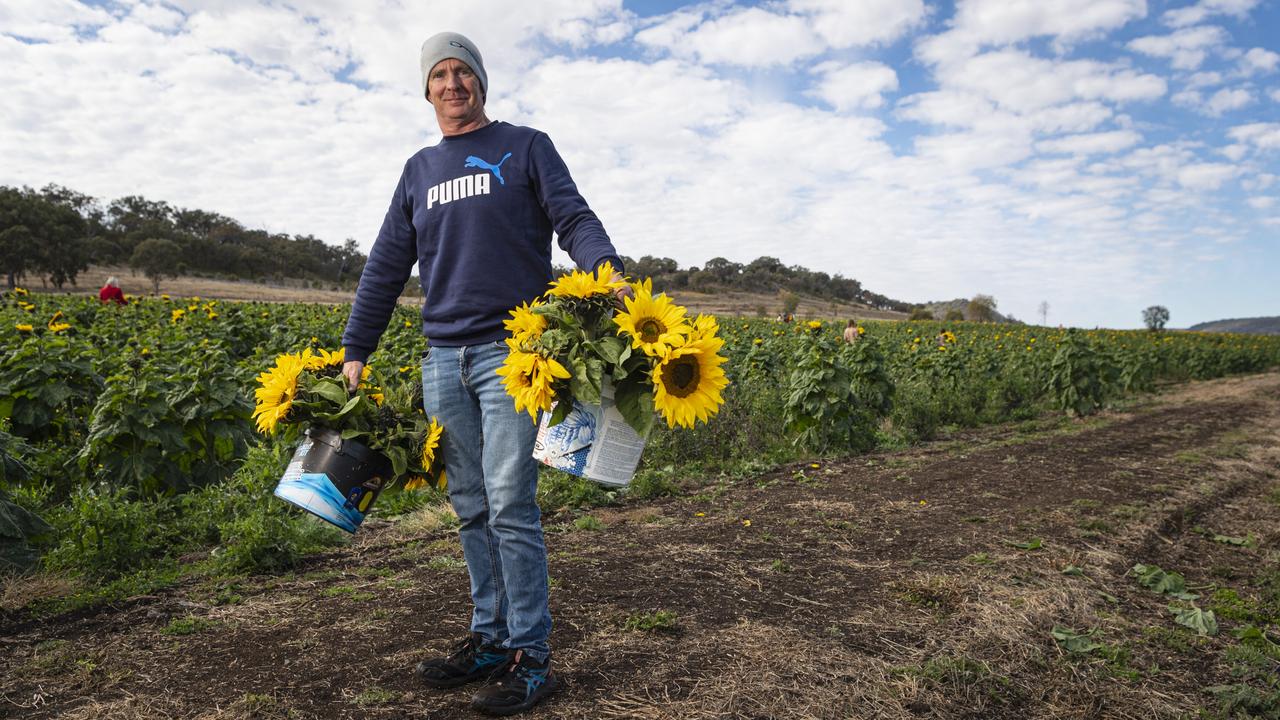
(851, 334)
(111, 292)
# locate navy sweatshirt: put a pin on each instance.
(476, 212)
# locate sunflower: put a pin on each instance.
(705, 327)
(584, 284)
(20, 291)
(653, 323)
(525, 325)
(528, 377)
(176, 315)
(322, 358)
(415, 482)
(59, 327)
(430, 443)
(278, 386)
(23, 327)
(687, 382)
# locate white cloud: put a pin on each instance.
(1275, 94)
(1261, 202)
(1091, 144)
(1020, 82)
(866, 22)
(981, 23)
(854, 87)
(1228, 99)
(49, 20)
(1259, 60)
(1204, 79)
(1185, 49)
(1264, 136)
(749, 37)
(1205, 176)
(1192, 14)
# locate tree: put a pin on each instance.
(1044, 312)
(1155, 317)
(157, 258)
(953, 315)
(921, 313)
(17, 249)
(790, 301)
(982, 308)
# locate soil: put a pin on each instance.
(918, 583)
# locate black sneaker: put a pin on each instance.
(471, 660)
(523, 684)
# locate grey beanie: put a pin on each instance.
(452, 45)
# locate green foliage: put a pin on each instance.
(48, 387)
(1155, 317)
(1080, 376)
(1159, 581)
(167, 429)
(836, 393)
(651, 621)
(157, 258)
(982, 308)
(1202, 621)
(1074, 642)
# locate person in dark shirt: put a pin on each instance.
(476, 213)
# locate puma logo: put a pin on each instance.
(475, 162)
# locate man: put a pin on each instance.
(476, 212)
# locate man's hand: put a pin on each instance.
(351, 370)
(624, 291)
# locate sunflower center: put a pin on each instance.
(681, 376)
(651, 330)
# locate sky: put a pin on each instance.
(1100, 156)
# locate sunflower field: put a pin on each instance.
(128, 446)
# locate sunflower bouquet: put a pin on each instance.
(307, 390)
(567, 344)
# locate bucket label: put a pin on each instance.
(594, 442)
(316, 494)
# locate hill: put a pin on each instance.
(940, 308)
(1249, 326)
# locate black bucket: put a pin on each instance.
(334, 479)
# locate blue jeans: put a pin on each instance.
(493, 481)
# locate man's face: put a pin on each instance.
(454, 90)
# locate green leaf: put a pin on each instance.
(1231, 540)
(1074, 642)
(610, 349)
(331, 392)
(1072, 570)
(560, 411)
(1202, 621)
(1032, 544)
(635, 403)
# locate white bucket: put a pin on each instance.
(593, 441)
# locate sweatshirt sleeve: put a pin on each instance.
(390, 262)
(580, 232)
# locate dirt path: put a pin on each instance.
(887, 585)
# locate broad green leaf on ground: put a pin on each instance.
(1202, 621)
(1073, 642)
(1032, 544)
(1165, 583)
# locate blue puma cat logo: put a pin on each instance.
(475, 162)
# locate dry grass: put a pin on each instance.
(723, 304)
(22, 590)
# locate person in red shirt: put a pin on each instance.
(112, 292)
